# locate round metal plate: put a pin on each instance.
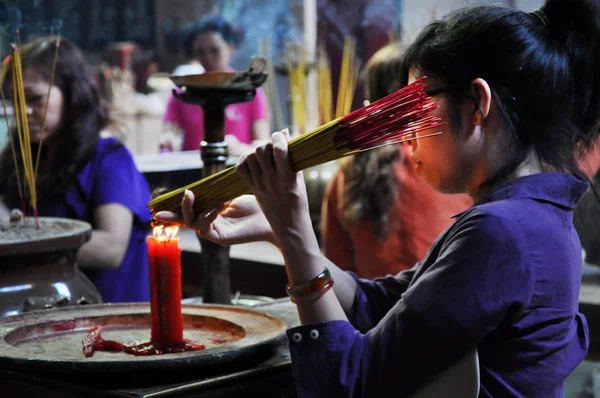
(52, 339)
(64, 234)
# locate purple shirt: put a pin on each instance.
(112, 177)
(504, 277)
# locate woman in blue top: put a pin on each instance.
(82, 175)
(521, 96)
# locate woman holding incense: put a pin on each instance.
(82, 173)
(378, 215)
(213, 41)
(505, 277)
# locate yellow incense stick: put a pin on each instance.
(20, 107)
(10, 136)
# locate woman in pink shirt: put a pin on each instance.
(212, 42)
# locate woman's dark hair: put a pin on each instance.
(231, 33)
(370, 185)
(542, 68)
(84, 115)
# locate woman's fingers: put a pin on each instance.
(187, 212)
(256, 171)
(198, 221)
(210, 216)
(169, 218)
(244, 170)
(280, 152)
(252, 170)
(267, 164)
(261, 168)
(187, 208)
(207, 218)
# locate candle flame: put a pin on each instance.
(161, 232)
(158, 231)
(171, 231)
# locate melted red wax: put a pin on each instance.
(64, 325)
(148, 348)
(91, 340)
(94, 342)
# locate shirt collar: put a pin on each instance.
(561, 189)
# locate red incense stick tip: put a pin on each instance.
(401, 113)
(37, 218)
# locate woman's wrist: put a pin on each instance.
(298, 239)
(302, 263)
(271, 238)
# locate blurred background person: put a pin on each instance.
(193, 66)
(84, 173)
(379, 216)
(213, 41)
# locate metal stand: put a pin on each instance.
(213, 152)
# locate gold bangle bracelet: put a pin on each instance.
(312, 289)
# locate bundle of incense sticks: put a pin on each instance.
(392, 119)
(324, 86)
(23, 137)
(349, 72)
(297, 69)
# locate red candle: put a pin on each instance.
(165, 288)
(165, 303)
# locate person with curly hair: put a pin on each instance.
(378, 216)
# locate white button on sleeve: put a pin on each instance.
(314, 334)
(297, 337)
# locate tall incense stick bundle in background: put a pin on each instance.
(324, 87)
(272, 92)
(23, 139)
(347, 82)
(390, 119)
(11, 139)
(348, 77)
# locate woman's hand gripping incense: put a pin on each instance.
(238, 221)
(281, 193)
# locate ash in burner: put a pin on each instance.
(18, 228)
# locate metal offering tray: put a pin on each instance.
(51, 340)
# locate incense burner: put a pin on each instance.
(38, 268)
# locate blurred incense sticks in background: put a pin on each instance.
(295, 67)
(348, 78)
